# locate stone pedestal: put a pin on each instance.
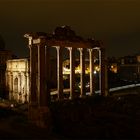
(41, 116)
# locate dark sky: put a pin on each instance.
(116, 22)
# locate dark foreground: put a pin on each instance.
(113, 117)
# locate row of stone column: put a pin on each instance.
(40, 72)
(40, 76)
(72, 71)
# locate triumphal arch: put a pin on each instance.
(62, 38)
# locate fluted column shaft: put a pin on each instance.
(43, 73)
(72, 72)
(33, 73)
(59, 72)
(91, 66)
(103, 73)
(82, 74)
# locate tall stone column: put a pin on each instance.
(43, 86)
(33, 72)
(103, 73)
(72, 72)
(41, 75)
(25, 87)
(91, 66)
(39, 112)
(100, 72)
(47, 75)
(82, 74)
(59, 72)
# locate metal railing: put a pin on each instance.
(99, 91)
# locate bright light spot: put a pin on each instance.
(112, 66)
(95, 72)
(12, 105)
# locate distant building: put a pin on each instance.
(113, 64)
(129, 59)
(129, 68)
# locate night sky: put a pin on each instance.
(115, 22)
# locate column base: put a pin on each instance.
(82, 96)
(41, 117)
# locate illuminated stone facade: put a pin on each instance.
(17, 79)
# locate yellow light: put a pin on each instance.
(77, 69)
(66, 70)
(87, 71)
(112, 66)
(97, 68)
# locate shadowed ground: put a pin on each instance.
(115, 117)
